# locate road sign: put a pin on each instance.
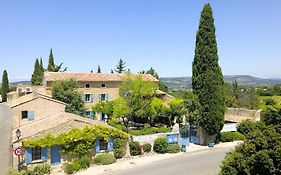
(19, 151)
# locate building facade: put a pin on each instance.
(95, 87)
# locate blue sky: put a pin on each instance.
(144, 33)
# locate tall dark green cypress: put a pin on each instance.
(207, 78)
(5, 86)
(99, 70)
(36, 76)
(51, 63)
(41, 67)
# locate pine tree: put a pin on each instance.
(207, 78)
(120, 67)
(99, 70)
(5, 86)
(36, 76)
(51, 64)
(112, 71)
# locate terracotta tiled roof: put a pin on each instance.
(55, 125)
(30, 97)
(94, 77)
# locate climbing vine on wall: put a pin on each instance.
(76, 141)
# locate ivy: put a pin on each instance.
(77, 141)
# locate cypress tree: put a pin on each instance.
(99, 70)
(5, 86)
(120, 66)
(41, 68)
(207, 78)
(36, 76)
(51, 63)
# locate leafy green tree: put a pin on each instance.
(120, 67)
(104, 107)
(5, 86)
(138, 94)
(207, 78)
(271, 116)
(159, 112)
(122, 110)
(36, 78)
(99, 70)
(66, 91)
(176, 109)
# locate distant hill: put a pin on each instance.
(243, 80)
(20, 82)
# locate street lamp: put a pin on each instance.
(18, 134)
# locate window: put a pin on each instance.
(87, 85)
(87, 114)
(102, 97)
(88, 97)
(24, 114)
(103, 144)
(36, 153)
(102, 85)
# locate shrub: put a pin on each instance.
(84, 162)
(146, 131)
(119, 147)
(173, 148)
(160, 145)
(246, 126)
(231, 136)
(147, 147)
(42, 169)
(269, 102)
(134, 148)
(104, 159)
(69, 169)
(117, 125)
(76, 165)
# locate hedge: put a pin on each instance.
(173, 148)
(104, 159)
(147, 131)
(231, 136)
(160, 145)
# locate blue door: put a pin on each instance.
(55, 155)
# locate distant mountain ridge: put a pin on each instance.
(243, 80)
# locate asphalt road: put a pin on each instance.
(205, 162)
(5, 133)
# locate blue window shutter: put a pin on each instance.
(100, 97)
(55, 155)
(97, 145)
(84, 97)
(30, 115)
(91, 98)
(91, 114)
(28, 156)
(106, 97)
(44, 153)
(110, 144)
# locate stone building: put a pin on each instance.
(37, 115)
(96, 87)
